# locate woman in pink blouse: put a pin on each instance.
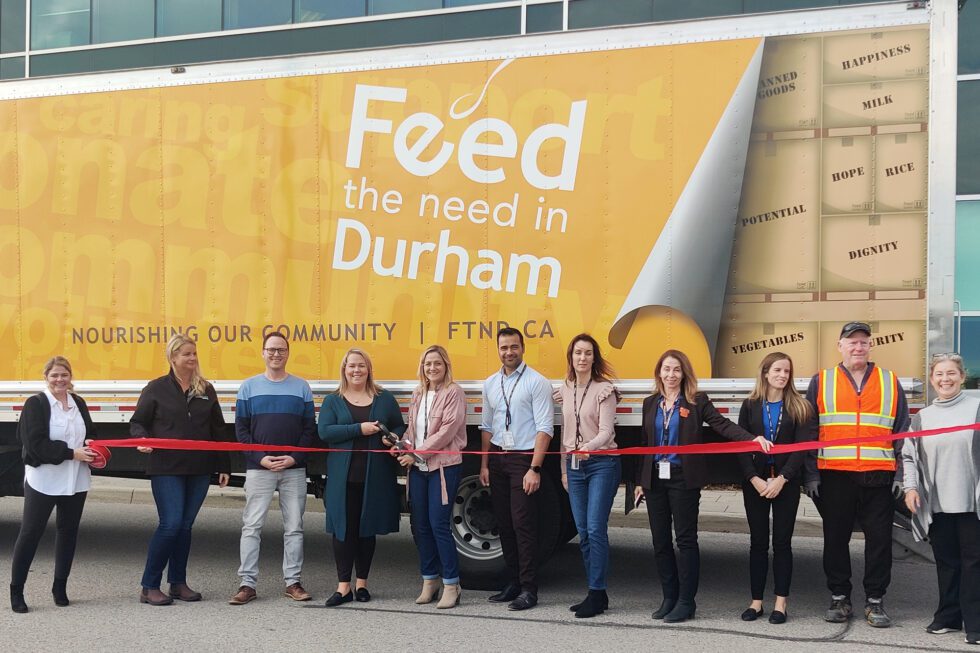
(589, 400)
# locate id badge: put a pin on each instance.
(508, 440)
(575, 462)
(422, 466)
(663, 470)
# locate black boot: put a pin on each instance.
(683, 611)
(592, 605)
(17, 603)
(574, 608)
(665, 607)
(59, 591)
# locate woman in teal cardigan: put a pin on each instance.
(362, 498)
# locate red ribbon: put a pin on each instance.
(706, 448)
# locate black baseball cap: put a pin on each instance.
(853, 327)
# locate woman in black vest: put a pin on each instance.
(772, 483)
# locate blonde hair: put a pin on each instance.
(444, 355)
(796, 406)
(689, 382)
(198, 384)
(63, 362)
(373, 388)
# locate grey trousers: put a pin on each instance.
(260, 484)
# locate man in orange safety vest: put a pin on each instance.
(855, 483)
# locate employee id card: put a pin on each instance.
(507, 439)
(663, 470)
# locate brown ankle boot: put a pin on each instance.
(430, 590)
(154, 597)
(182, 592)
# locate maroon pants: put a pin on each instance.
(517, 517)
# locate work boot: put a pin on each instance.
(17, 603)
(840, 609)
(59, 590)
(874, 612)
(154, 597)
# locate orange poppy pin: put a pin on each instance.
(684, 412)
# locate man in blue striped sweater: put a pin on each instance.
(274, 408)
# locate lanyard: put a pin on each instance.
(425, 414)
(665, 435)
(772, 433)
(578, 418)
(507, 398)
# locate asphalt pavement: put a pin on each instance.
(105, 614)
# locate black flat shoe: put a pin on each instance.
(362, 595)
(777, 617)
(337, 599)
(524, 601)
(505, 595)
(664, 609)
(752, 615)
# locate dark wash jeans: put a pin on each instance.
(430, 522)
(178, 499)
(591, 489)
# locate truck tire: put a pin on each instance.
(474, 528)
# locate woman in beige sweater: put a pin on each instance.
(591, 477)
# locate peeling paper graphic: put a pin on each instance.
(687, 269)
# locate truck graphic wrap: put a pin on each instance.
(724, 196)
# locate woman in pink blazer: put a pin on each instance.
(436, 422)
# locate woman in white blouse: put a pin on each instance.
(54, 428)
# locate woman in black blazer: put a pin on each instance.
(772, 483)
(671, 484)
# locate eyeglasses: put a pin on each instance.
(851, 327)
(947, 356)
(277, 351)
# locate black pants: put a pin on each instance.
(37, 510)
(844, 502)
(517, 517)
(955, 539)
(670, 502)
(354, 552)
(757, 509)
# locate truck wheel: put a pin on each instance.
(474, 528)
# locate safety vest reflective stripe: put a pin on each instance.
(851, 453)
(851, 419)
(829, 390)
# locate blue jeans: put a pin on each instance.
(178, 500)
(430, 522)
(591, 489)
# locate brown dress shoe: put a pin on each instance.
(182, 592)
(297, 593)
(243, 596)
(154, 597)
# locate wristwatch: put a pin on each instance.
(536, 469)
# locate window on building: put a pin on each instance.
(176, 17)
(59, 23)
(306, 11)
(13, 20)
(968, 138)
(969, 59)
(394, 6)
(121, 20)
(544, 18)
(12, 68)
(242, 14)
(684, 9)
